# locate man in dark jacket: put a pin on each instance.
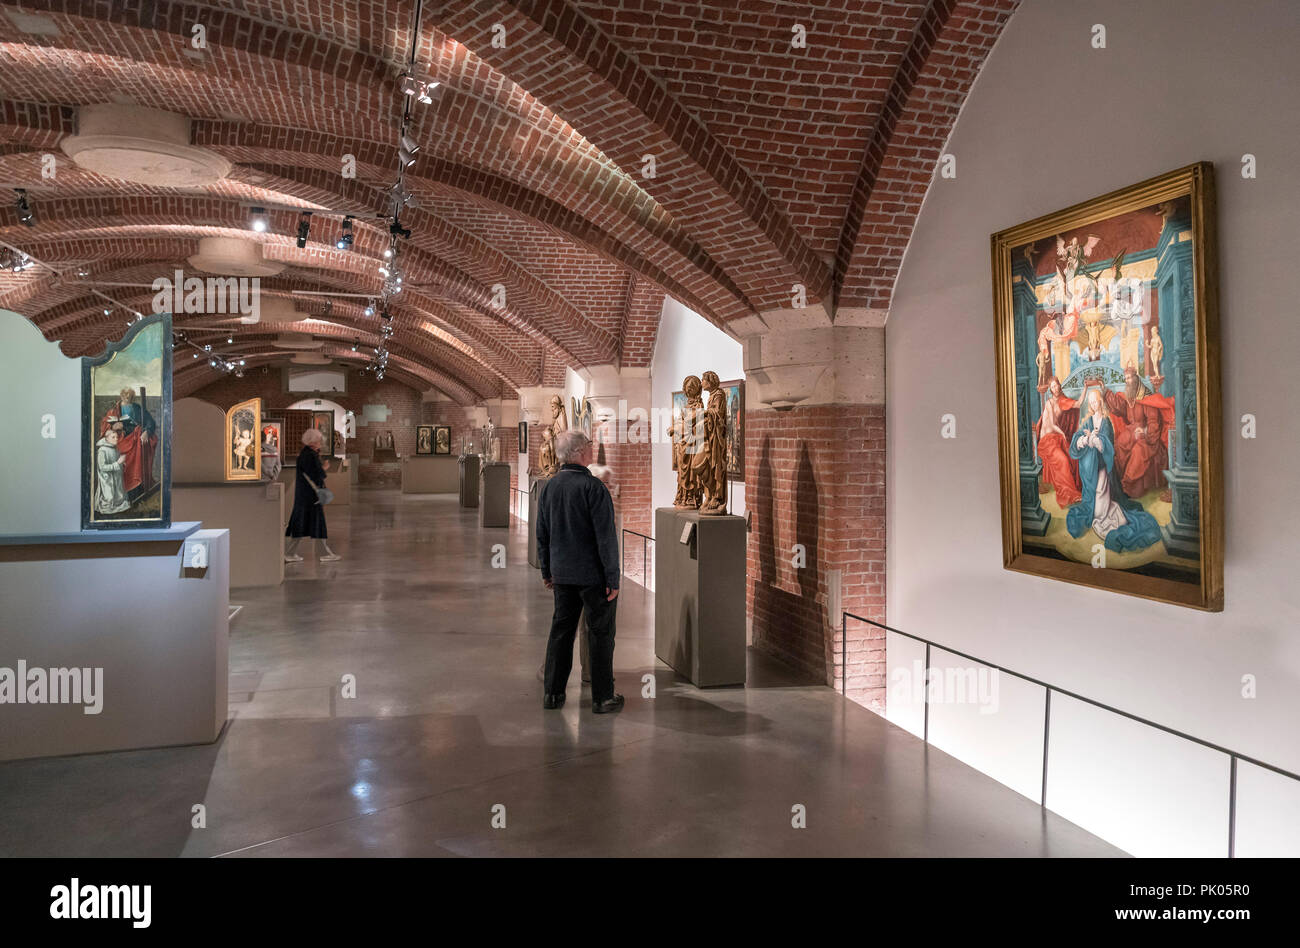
(577, 549)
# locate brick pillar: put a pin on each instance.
(815, 486)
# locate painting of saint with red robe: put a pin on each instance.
(126, 394)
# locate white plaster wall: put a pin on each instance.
(1050, 122)
(687, 344)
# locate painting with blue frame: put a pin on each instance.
(1108, 389)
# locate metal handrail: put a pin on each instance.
(645, 567)
(1233, 756)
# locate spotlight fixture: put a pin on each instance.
(304, 227)
(406, 150)
(397, 230)
(82, 272)
(425, 89)
(15, 261)
(388, 253)
(26, 216)
(355, 343)
(230, 340)
(388, 317)
(258, 220)
(408, 84)
(370, 308)
(345, 239)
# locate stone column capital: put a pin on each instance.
(836, 364)
(533, 401)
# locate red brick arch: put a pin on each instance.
(776, 165)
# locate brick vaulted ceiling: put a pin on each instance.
(775, 163)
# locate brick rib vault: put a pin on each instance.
(763, 165)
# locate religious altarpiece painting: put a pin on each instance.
(735, 392)
(1109, 422)
(126, 405)
(424, 439)
(323, 421)
(272, 438)
(243, 446)
(442, 439)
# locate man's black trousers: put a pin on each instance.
(569, 603)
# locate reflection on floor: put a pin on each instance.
(447, 723)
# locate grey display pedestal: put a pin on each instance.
(469, 465)
(534, 494)
(700, 596)
(494, 495)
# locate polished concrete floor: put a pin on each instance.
(447, 728)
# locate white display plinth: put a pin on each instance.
(121, 603)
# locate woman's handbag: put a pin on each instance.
(323, 494)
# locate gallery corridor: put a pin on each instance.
(447, 724)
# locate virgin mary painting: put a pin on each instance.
(1119, 520)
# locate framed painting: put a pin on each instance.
(126, 407)
(582, 419)
(424, 439)
(243, 454)
(1108, 396)
(442, 439)
(272, 438)
(679, 412)
(735, 392)
(523, 437)
(323, 421)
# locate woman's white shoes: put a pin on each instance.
(330, 558)
(293, 559)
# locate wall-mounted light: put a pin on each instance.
(258, 220)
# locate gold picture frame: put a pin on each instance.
(1112, 343)
(243, 441)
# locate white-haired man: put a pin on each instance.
(577, 549)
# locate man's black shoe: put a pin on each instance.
(608, 706)
(551, 702)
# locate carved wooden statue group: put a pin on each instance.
(700, 446)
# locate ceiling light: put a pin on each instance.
(259, 221)
(388, 254)
(408, 84)
(409, 144)
(304, 227)
(370, 308)
(25, 214)
(345, 239)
